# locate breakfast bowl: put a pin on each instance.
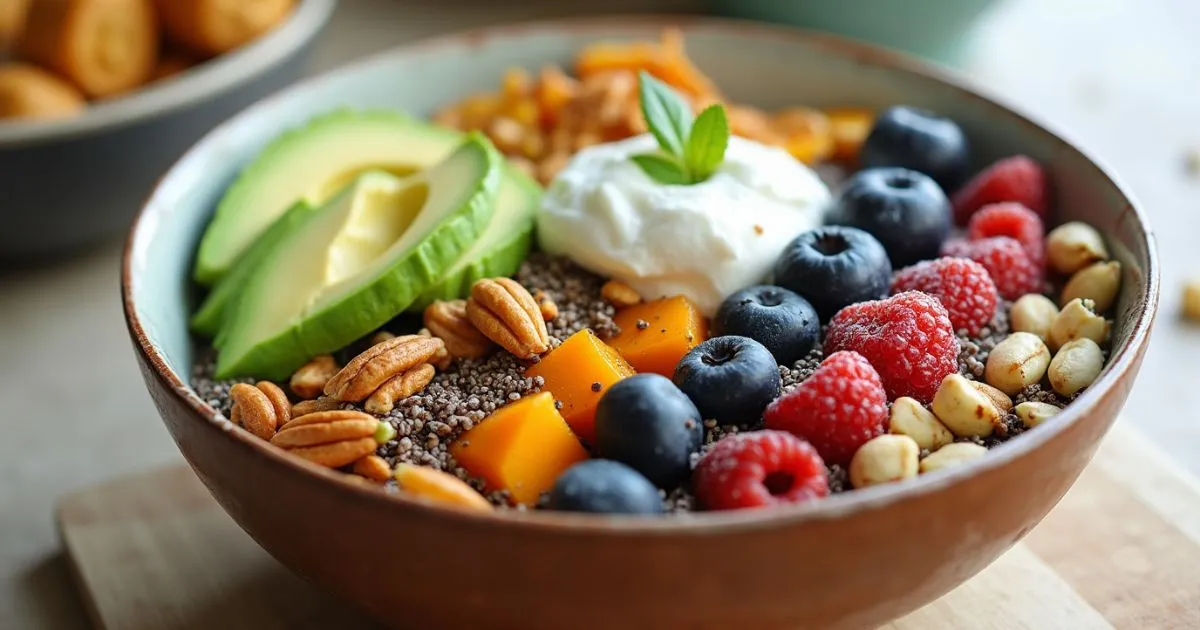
(850, 560)
(72, 182)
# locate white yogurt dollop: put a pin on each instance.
(704, 241)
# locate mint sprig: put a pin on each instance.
(690, 149)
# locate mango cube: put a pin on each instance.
(655, 335)
(522, 447)
(577, 373)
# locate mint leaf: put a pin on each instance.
(662, 169)
(667, 115)
(706, 145)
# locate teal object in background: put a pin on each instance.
(935, 29)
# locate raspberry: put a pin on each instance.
(1014, 221)
(837, 409)
(1017, 178)
(962, 285)
(1006, 262)
(908, 338)
(759, 469)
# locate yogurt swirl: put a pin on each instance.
(704, 241)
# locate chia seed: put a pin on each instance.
(465, 394)
(802, 368)
(973, 351)
(574, 290)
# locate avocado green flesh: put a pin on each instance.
(208, 318)
(358, 261)
(307, 164)
(501, 249)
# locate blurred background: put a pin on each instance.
(1116, 76)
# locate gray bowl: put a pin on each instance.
(68, 184)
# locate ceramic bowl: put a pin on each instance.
(851, 561)
(66, 184)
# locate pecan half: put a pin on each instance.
(619, 294)
(306, 407)
(380, 337)
(373, 467)
(259, 408)
(337, 454)
(368, 371)
(309, 381)
(330, 438)
(448, 321)
(399, 387)
(443, 358)
(279, 401)
(506, 313)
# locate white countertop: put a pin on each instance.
(1120, 76)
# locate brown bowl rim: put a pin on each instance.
(211, 79)
(700, 523)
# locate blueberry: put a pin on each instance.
(731, 379)
(904, 210)
(646, 422)
(920, 140)
(834, 266)
(603, 486)
(777, 318)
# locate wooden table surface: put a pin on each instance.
(1120, 76)
(155, 552)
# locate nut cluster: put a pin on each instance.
(331, 438)
(319, 430)
(386, 372)
(961, 407)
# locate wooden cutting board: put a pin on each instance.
(1122, 550)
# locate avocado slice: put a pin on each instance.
(311, 163)
(358, 261)
(502, 247)
(207, 319)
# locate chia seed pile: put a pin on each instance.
(464, 395)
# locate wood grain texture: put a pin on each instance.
(155, 552)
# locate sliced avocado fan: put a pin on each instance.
(501, 249)
(311, 163)
(208, 318)
(357, 261)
